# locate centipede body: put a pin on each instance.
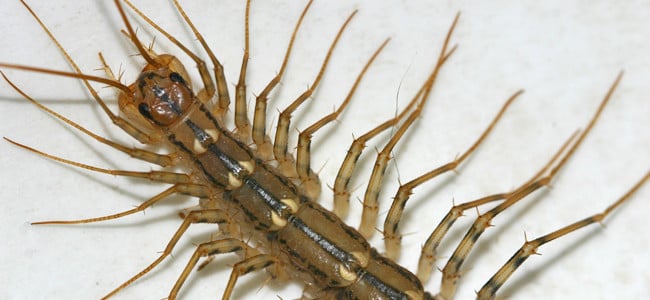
(565, 57)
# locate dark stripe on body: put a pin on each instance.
(172, 139)
(381, 286)
(325, 244)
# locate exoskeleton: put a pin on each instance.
(261, 201)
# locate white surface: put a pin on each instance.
(564, 55)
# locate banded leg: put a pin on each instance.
(341, 184)
(252, 261)
(370, 203)
(260, 137)
(488, 291)
(451, 271)
(429, 250)
(241, 112)
(310, 184)
(285, 160)
(392, 237)
(213, 216)
(246, 266)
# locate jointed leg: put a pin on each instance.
(429, 250)
(370, 203)
(310, 184)
(158, 176)
(223, 97)
(285, 160)
(182, 184)
(451, 271)
(213, 216)
(175, 189)
(392, 237)
(261, 139)
(488, 291)
(241, 111)
(341, 184)
(246, 266)
(252, 261)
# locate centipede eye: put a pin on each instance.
(144, 110)
(175, 77)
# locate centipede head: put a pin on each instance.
(161, 96)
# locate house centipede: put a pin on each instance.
(566, 85)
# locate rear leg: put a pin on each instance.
(451, 271)
(429, 249)
(488, 291)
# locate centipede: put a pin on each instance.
(544, 69)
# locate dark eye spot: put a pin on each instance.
(144, 110)
(175, 77)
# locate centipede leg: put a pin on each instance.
(392, 237)
(196, 190)
(370, 199)
(286, 163)
(488, 291)
(260, 137)
(451, 271)
(212, 248)
(188, 189)
(341, 188)
(246, 266)
(310, 184)
(213, 216)
(429, 250)
(241, 111)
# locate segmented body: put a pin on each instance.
(482, 99)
